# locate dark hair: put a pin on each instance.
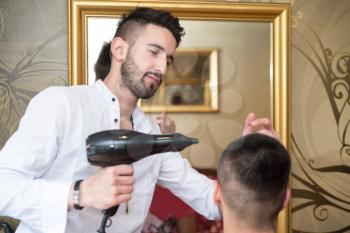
(129, 25)
(103, 63)
(142, 16)
(253, 173)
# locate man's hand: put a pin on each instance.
(107, 188)
(259, 125)
(166, 124)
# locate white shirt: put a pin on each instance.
(47, 153)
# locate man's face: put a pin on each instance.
(147, 60)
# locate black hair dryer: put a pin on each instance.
(115, 147)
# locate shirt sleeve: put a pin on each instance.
(40, 203)
(193, 188)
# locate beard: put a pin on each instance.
(130, 72)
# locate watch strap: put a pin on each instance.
(76, 195)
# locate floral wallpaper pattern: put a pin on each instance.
(321, 116)
(29, 57)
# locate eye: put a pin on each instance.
(154, 52)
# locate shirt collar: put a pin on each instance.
(138, 115)
(105, 92)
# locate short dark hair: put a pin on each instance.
(253, 173)
(103, 63)
(141, 16)
(129, 25)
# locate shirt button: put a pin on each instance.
(113, 99)
(115, 120)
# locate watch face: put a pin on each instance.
(76, 199)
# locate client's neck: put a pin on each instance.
(233, 224)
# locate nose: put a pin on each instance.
(162, 65)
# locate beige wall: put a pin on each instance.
(244, 64)
(33, 55)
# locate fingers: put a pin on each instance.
(252, 122)
(251, 116)
(261, 122)
(120, 174)
(248, 128)
(165, 118)
(158, 121)
(113, 200)
(266, 132)
(120, 199)
(119, 192)
(270, 133)
(166, 124)
(259, 125)
(108, 187)
(164, 115)
(122, 170)
(161, 117)
(123, 189)
(126, 180)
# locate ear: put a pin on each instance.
(119, 48)
(217, 193)
(286, 198)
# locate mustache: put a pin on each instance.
(156, 74)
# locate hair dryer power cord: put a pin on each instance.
(107, 214)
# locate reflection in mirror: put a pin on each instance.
(245, 46)
(190, 84)
(243, 79)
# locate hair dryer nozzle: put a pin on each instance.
(194, 141)
(113, 147)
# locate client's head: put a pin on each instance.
(252, 186)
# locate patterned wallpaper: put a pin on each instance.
(321, 116)
(33, 33)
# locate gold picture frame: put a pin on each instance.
(277, 15)
(190, 85)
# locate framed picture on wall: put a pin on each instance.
(190, 85)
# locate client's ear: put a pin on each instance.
(286, 198)
(217, 193)
(119, 48)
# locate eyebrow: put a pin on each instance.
(161, 48)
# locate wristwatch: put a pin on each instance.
(76, 195)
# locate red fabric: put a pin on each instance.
(208, 226)
(165, 205)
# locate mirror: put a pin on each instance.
(252, 46)
(191, 82)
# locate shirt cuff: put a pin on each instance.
(214, 213)
(55, 206)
